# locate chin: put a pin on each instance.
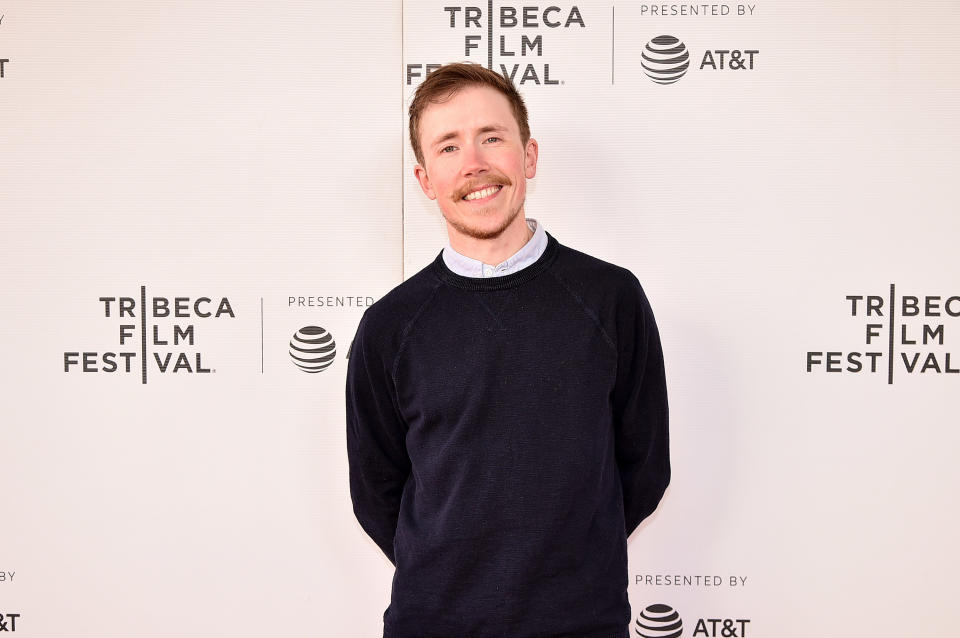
(481, 226)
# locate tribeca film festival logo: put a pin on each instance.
(666, 59)
(510, 30)
(663, 621)
(900, 335)
(163, 357)
(8, 621)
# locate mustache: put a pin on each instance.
(498, 180)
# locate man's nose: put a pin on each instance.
(474, 161)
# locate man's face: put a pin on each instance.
(474, 162)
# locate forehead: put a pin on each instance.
(469, 109)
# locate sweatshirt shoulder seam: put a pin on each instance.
(408, 329)
(586, 310)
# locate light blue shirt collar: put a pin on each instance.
(529, 253)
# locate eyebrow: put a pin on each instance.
(489, 128)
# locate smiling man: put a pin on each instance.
(479, 161)
(506, 405)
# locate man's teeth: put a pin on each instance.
(486, 192)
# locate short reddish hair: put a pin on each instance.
(447, 81)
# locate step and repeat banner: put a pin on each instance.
(189, 192)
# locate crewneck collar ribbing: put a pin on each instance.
(443, 272)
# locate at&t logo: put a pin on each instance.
(8, 622)
(312, 349)
(663, 621)
(738, 60)
(666, 59)
(659, 621)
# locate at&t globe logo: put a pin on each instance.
(659, 621)
(665, 59)
(312, 349)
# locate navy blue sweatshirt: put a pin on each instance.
(505, 436)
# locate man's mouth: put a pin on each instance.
(483, 192)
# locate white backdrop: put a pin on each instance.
(257, 152)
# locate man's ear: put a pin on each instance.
(530, 158)
(424, 180)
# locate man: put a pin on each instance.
(506, 405)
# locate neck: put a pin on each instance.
(496, 249)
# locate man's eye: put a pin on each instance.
(448, 149)
(495, 139)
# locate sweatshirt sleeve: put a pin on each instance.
(376, 451)
(640, 409)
